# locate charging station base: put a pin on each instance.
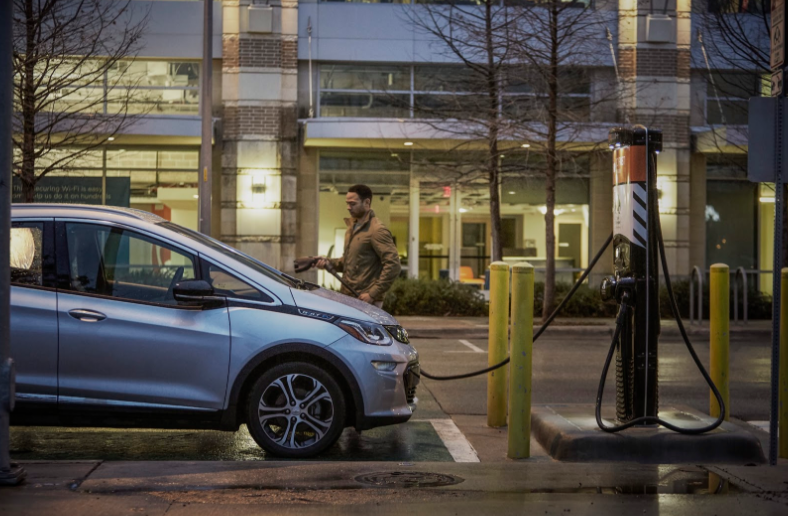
(568, 432)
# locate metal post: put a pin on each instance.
(719, 335)
(696, 272)
(779, 206)
(520, 366)
(8, 475)
(413, 225)
(498, 337)
(783, 423)
(206, 112)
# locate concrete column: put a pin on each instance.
(454, 249)
(413, 226)
(698, 211)
(654, 62)
(601, 216)
(259, 162)
(308, 207)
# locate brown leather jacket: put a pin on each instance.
(370, 262)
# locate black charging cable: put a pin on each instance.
(541, 329)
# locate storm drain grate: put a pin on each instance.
(408, 479)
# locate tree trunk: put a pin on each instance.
(28, 95)
(28, 190)
(551, 164)
(495, 203)
(494, 174)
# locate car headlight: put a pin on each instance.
(399, 333)
(366, 332)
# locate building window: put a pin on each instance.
(137, 87)
(727, 97)
(740, 6)
(364, 91)
(445, 91)
(158, 180)
(731, 213)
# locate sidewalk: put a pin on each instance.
(349, 488)
(427, 327)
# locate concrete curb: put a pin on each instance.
(569, 433)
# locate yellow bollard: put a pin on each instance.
(522, 341)
(719, 334)
(498, 338)
(782, 421)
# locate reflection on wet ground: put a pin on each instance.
(679, 481)
(413, 441)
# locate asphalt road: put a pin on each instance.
(566, 369)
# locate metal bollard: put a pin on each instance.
(719, 335)
(783, 417)
(522, 341)
(498, 338)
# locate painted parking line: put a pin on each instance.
(454, 440)
(475, 349)
(762, 425)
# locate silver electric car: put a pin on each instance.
(121, 318)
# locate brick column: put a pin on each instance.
(260, 154)
(654, 62)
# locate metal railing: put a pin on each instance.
(740, 273)
(696, 272)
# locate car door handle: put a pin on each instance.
(87, 315)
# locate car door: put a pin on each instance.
(34, 312)
(124, 340)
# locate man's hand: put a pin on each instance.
(366, 298)
(322, 262)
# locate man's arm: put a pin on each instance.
(383, 244)
(338, 263)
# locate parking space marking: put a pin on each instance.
(454, 440)
(475, 349)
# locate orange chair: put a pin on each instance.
(466, 276)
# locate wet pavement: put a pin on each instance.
(413, 441)
(566, 370)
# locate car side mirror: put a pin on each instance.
(198, 292)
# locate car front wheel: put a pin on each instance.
(295, 410)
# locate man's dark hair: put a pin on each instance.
(363, 191)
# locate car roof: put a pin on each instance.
(139, 219)
(81, 210)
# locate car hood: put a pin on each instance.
(331, 302)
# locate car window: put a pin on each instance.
(120, 263)
(225, 284)
(27, 242)
(235, 254)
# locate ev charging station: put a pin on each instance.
(636, 275)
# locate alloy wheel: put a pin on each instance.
(295, 411)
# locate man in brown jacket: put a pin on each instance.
(370, 263)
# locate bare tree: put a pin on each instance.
(555, 39)
(734, 36)
(513, 94)
(73, 90)
(468, 104)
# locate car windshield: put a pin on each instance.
(235, 254)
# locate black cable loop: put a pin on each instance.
(541, 329)
(675, 309)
